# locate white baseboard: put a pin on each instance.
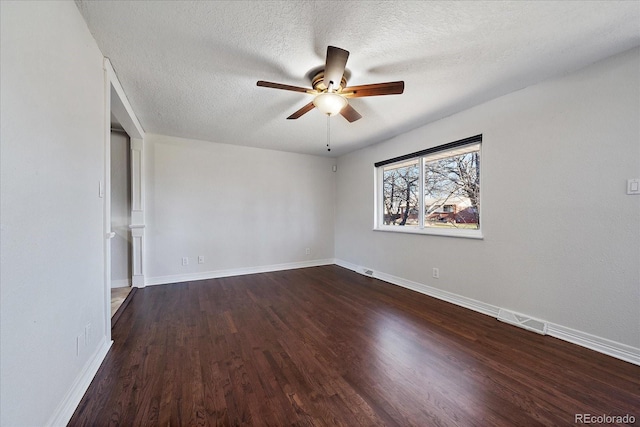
(71, 400)
(583, 339)
(472, 304)
(601, 345)
(188, 277)
(123, 283)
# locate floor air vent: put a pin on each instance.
(524, 322)
(368, 272)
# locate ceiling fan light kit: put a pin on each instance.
(330, 103)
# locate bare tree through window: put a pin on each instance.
(452, 191)
(401, 191)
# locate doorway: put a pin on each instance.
(126, 232)
(120, 215)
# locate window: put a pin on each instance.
(433, 191)
(401, 193)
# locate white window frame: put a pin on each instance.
(378, 217)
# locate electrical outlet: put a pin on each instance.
(436, 273)
(201, 259)
(307, 251)
(185, 260)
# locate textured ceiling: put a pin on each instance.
(190, 68)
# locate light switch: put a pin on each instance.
(633, 186)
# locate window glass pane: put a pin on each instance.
(401, 185)
(452, 189)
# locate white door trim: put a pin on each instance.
(116, 103)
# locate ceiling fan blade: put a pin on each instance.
(350, 114)
(334, 66)
(389, 88)
(284, 87)
(302, 111)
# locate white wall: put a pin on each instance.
(239, 207)
(120, 210)
(561, 237)
(52, 246)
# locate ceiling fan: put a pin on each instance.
(330, 90)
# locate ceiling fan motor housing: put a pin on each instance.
(318, 83)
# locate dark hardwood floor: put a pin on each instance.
(324, 346)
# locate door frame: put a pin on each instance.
(116, 103)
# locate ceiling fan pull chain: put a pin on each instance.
(328, 132)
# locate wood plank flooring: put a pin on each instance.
(324, 346)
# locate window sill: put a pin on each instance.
(466, 234)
